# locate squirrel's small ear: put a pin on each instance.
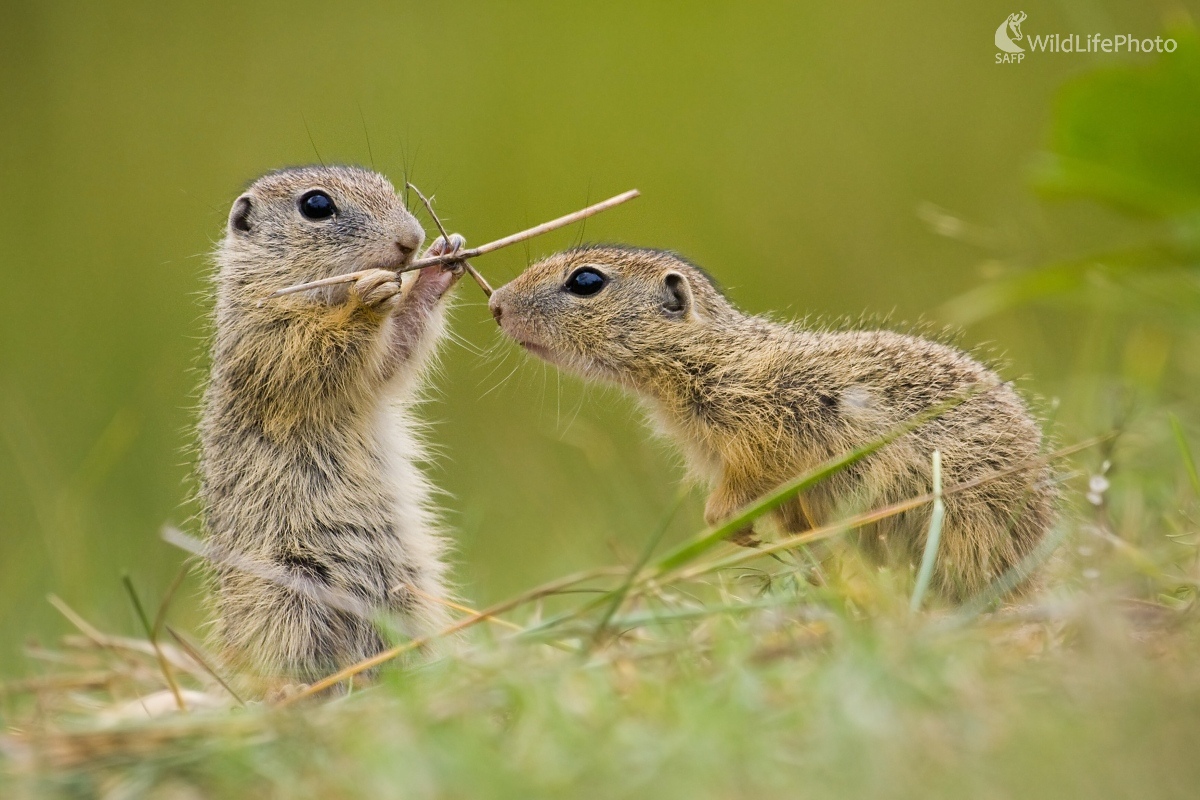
(239, 216)
(677, 295)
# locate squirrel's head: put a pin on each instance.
(305, 223)
(608, 311)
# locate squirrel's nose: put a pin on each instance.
(407, 242)
(496, 308)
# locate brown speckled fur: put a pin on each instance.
(309, 446)
(753, 403)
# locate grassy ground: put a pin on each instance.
(694, 680)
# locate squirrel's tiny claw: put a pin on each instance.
(443, 246)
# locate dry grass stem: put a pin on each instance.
(408, 587)
(546, 589)
(472, 252)
(479, 279)
(867, 518)
(194, 653)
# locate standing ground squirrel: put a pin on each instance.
(309, 449)
(753, 403)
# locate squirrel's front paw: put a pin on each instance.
(441, 247)
(438, 278)
(376, 289)
(721, 505)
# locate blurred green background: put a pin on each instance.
(829, 160)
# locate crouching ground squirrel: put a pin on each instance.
(309, 476)
(753, 403)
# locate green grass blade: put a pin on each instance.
(160, 618)
(647, 619)
(933, 539)
(710, 538)
(1185, 450)
(837, 528)
(647, 552)
(152, 635)
(137, 606)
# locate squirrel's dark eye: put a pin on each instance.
(317, 205)
(585, 282)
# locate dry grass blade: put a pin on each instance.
(85, 680)
(688, 551)
(152, 636)
(472, 252)
(123, 647)
(867, 518)
(689, 569)
(672, 568)
(128, 645)
(479, 279)
(86, 628)
(381, 658)
(546, 589)
(408, 587)
(54, 750)
(209, 551)
(194, 653)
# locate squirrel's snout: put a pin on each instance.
(408, 239)
(496, 307)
